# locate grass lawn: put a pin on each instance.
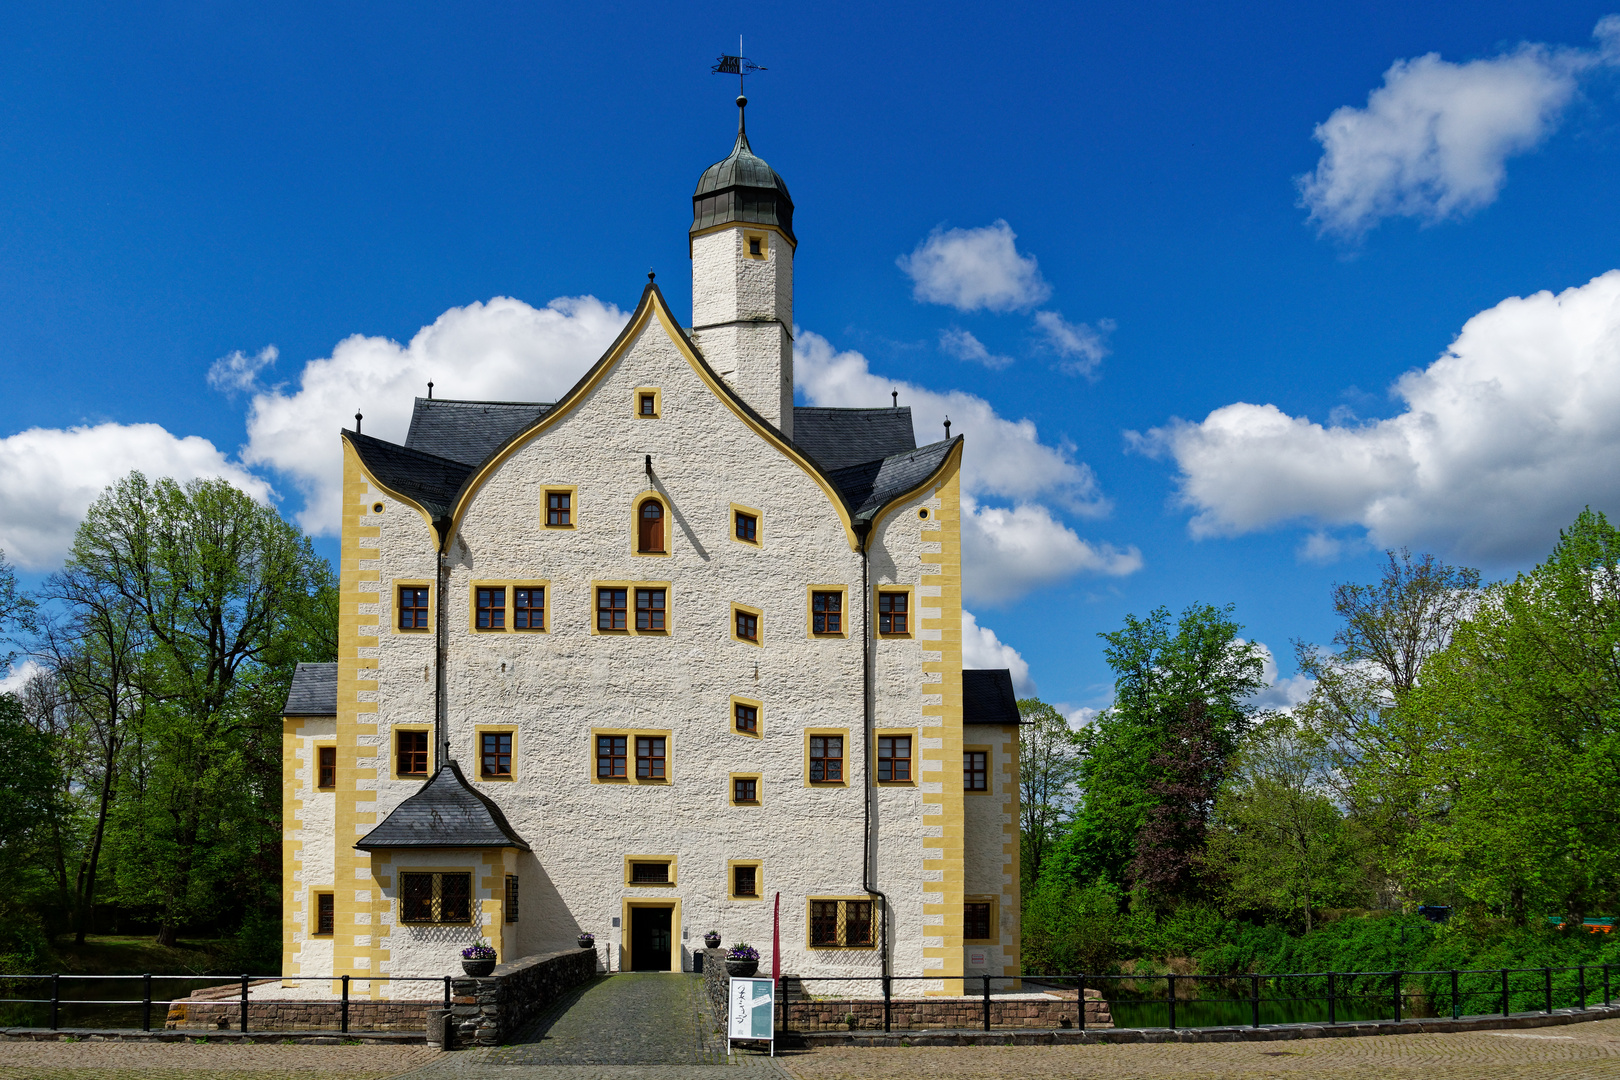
(116, 954)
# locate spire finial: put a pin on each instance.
(947, 428)
(650, 276)
(895, 394)
(742, 125)
(357, 421)
(430, 389)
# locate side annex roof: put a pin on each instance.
(988, 697)
(445, 813)
(871, 486)
(313, 691)
(468, 431)
(839, 438)
(428, 480)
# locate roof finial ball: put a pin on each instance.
(651, 276)
(947, 427)
(895, 394)
(430, 389)
(357, 422)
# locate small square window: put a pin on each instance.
(747, 527)
(894, 758)
(893, 613)
(745, 789)
(413, 608)
(747, 718)
(495, 754)
(975, 770)
(529, 609)
(650, 609)
(753, 246)
(745, 881)
(325, 914)
(326, 767)
(491, 609)
(412, 747)
(826, 759)
(748, 626)
(976, 922)
(612, 756)
(612, 611)
(649, 757)
(559, 509)
(649, 405)
(511, 898)
(827, 613)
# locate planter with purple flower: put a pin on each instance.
(711, 940)
(587, 941)
(742, 960)
(478, 960)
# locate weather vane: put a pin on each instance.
(736, 65)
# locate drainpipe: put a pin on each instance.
(869, 847)
(441, 629)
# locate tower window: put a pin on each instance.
(757, 245)
(753, 246)
(326, 778)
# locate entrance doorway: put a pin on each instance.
(651, 938)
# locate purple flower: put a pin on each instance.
(478, 952)
(742, 951)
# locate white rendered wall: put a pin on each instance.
(728, 288)
(308, 833)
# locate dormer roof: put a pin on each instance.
(445, 813)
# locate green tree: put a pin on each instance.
(29, 804)
(1520, 792)
(1176, 684)
(16, 610)
(226, 594)
(1278, 839)
(1048, 765)
(1388, 632)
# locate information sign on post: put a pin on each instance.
(753, 1011)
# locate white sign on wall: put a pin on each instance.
(753, 1011)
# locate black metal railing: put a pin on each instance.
(56, 1001)
(1250, 1000)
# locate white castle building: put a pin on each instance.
(641, 660)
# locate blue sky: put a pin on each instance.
(1208, 348)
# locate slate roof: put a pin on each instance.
(468, 431)
(446, 813)
(870, 486)
(839, 438)
(988, 698)
(427, 478)
(313, 692)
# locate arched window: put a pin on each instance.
(650, 527)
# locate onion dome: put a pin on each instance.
(742, 188)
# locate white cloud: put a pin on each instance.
(1279, 693)
(1079, 716)
(964, 346)
(17, 677)
(1082, 347)
(1008, 553)
(1004, 457)
(1432, 142)
(1502, 441)
(973, 269)
(50, 476)
(502, 350)
(238, 371)
(982, 649)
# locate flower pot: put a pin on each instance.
(741, 968)
(587, 942)
(478, 968)
(711, 941)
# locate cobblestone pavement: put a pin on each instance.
(189, 1061)
(1558, 1053)
(618, 1027)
